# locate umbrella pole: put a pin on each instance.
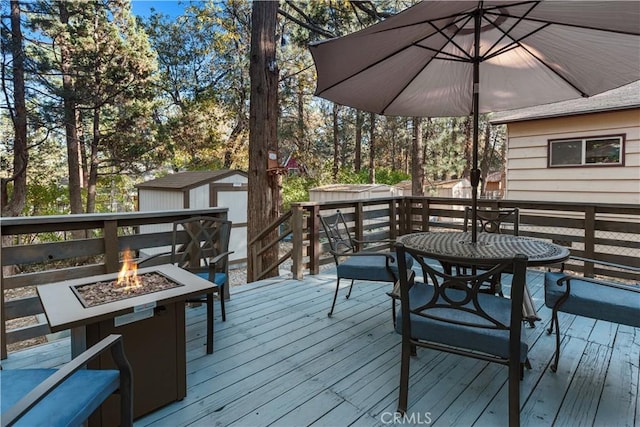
(475, 172)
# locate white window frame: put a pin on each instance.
(583, 154)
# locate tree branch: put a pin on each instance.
(306, 24)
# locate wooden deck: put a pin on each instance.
(279, 360)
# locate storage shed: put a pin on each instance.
(333, 192)
(457, 188)
(201, 189)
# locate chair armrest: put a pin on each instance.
(608, 264)
(114, 342)
(216, 259)
(389, 257)
(157, 259)
(568, 278)
(373, 241)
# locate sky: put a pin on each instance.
(172, 8)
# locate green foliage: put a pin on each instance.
(47, 198)
(390, 177)
(295, 188)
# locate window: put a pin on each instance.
(593, 151)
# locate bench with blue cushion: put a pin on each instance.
(69, 395)
(598, 299)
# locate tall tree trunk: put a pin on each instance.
(301, 136)
(372, 149)
(468, 147)
(358, 157)
(71, 128)
(233, 140)
(13, 204)
(264, 187)
(486, 157)
(336, 145)
(92, 181)
(417, 163)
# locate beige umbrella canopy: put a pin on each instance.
(455, 58)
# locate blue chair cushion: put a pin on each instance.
(595, 301)
(219, 279)
(370, 267)
(69, 404)
(488, 341)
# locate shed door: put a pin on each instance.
(234, 197)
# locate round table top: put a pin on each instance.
(490, 247)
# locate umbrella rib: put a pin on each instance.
(438, 51)
(450, 39)
(564, 24)
(458, 58)
(405, 87)
(577, 89)
(515, 42)
(506, 33)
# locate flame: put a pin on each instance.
(128, 277)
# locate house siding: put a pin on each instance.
(529, 178)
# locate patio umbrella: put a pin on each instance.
(455, 58)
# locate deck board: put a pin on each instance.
(279, 360)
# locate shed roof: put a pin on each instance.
(352, 188)
(622, 98)
(182, 180)
(450, 183)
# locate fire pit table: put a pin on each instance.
(152, 325)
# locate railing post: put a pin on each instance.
(589, 238)
(393, 221)
(402, 224)
(313, 233)
(297, 228)
(111, 250)
(3, 328)
(425, 214)
(256, 260)
(359, 223)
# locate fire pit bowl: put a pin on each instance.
(108, 291)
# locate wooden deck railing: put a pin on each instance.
(34, 248)
(609, 232)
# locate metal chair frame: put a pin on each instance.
(201, 245)
(469, 285)
(492, 221)
(342, 244)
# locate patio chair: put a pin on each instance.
(354, 264)
(494, 221)
(69, 395)
(600, 298)
(448, 313)
(201, 245)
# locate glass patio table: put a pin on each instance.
(456, 248)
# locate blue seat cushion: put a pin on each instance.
(489, 341)
(219, 279)
(370, 267)
(69, 404)
(612, 304)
